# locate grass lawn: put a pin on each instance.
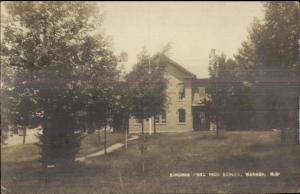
(89, 144)
(95, 142)
(192, 152)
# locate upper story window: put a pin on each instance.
(181, 91)
(181, 115)
(202, 94)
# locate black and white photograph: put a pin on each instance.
(150, 97)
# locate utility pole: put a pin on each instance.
(217, 102)
(150, 119)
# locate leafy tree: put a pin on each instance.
(147, 86)
(64, 67)
(272, 53)
(5, 102)
(120, 108)
(267, 68)
(222, 107)
(277, 50)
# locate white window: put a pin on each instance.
(181, 91)
(202, 94)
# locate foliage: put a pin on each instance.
(224, 90)
(147, 86)
(120, 107)
(63, 70)
(258, 90)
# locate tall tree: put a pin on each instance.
(147, 86)
(267, 68)
(223, 90)
(278, 53)
(270, 58)
(61, 64)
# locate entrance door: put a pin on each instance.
(203, 124)
(199, 120)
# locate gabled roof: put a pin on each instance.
(176, 65)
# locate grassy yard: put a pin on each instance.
(95, 142)
(89, 144)
(193, 152)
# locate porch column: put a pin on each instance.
(150, 125)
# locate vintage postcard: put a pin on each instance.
(150, 97)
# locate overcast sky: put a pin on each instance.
(194, 28)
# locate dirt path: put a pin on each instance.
(110, 149)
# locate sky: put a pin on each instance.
(193, 28)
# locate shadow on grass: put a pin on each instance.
(245, 162)
(211, 136)
(265, 157)
(17, 172)
(266, 147)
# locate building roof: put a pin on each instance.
(176, 65)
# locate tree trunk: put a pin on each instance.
(154, 125)
(143, 165)
(217, 128)
(105, 139)
(44, 156)
(217, 100)
(296, 131)
(125, 130)
(24, 135)
(298, 94)
(127, 124)
(99, 137)
(143, 126)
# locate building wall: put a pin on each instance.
(174, 77)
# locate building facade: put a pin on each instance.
(185, 110)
